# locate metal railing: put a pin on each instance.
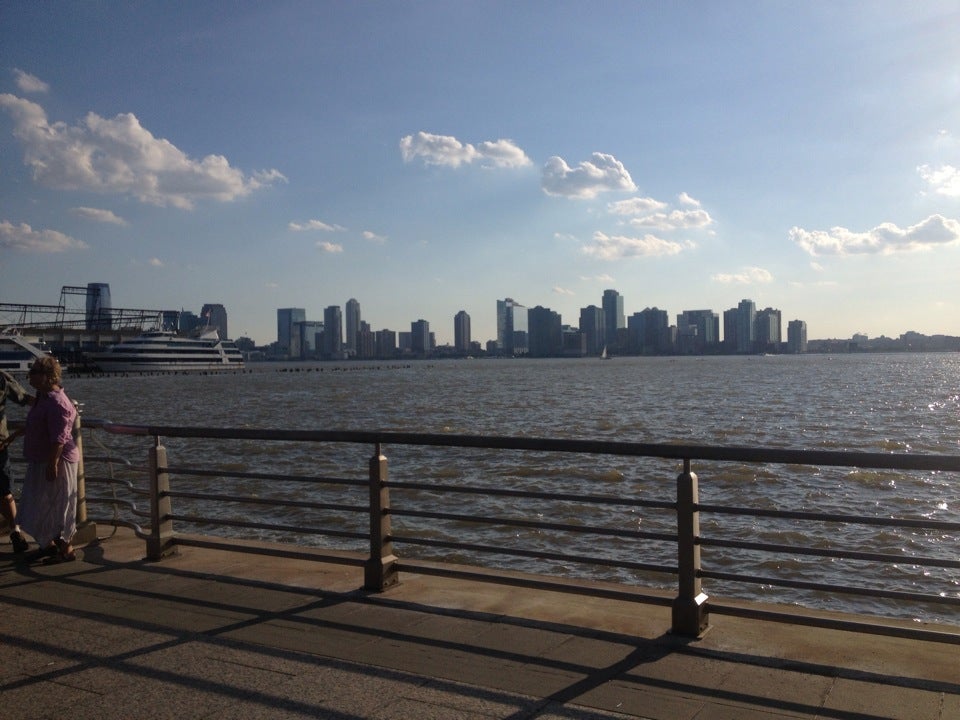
(366, 513)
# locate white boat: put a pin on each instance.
(163, 350)
(17, 353)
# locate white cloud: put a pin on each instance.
(447, 150)
(155, 262)
(329, 247)
(119, 156)
(562, 291)
(29, 83)
(635, 206)
(604, 279)
(747, 276)
(616, 247)
(98, 215)
(24, 237)
(315, 225)
(674, 220)
(685, 199)
(944, 180)
(602, 173)
(373, 237)
(885, 239)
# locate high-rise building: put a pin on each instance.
(215, 315)
(593, 326)
(797, 336)
(352, 325)
(332, 333)
(309, 335)
(98, 311)
(767, 330)
(746, 314)
(420, 337)
(649, 332)
(546, 332)
(698, 331)
(613, 315)
(461, 332)
(386, 344)
(286, 319)
(511, 327)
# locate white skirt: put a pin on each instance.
(48, 510)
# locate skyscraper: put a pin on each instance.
(746, 314)
(797, 336)
(333, 332)
(767, 333)
(612, 315)
(287, 335)
(98, 315)
(546, 332)
(461, 332)
(593, 326)
(511, 327)
(352, 325)
(215, 315)
(420, 337)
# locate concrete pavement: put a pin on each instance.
(209, 633)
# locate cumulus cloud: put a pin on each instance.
(373, 237)
(635, 206)
(98, 215)
(314, 225)
(606, 247)
(885, 239)
(943, 180)
(24, 237)
(674, 220)
(601, 173)
(447, 150)
(562, 291)
(329, 247)
(119, 156)
(29, 83)
(747, 276)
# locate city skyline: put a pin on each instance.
(429, 157)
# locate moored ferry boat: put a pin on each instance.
(17, 353)
(163, 350)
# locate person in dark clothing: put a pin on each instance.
(10, 388)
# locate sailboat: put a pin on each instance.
(603, 355)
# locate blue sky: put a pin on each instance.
(430, 157)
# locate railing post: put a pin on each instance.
(161, 541)
(690, 615)
(86, 530)
(380, 570)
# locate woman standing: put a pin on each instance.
(48, 505)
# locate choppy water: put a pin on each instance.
(877, 403)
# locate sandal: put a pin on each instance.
(19, 544)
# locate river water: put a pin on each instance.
(902, 403)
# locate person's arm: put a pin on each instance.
(53, 461)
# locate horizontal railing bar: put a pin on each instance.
(249, 500)
(667, 451)
(511, 522)
(534, 494)
(832, 552)
(828, 588)
(831, 517)
(320, 480)
(197, 520)
(848, 625)
(537, 555)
